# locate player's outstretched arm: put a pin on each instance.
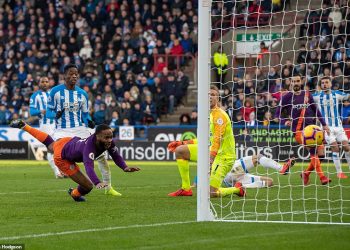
(119, 161)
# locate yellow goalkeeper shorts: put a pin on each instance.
(221, 166)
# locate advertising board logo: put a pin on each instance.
(188, 136)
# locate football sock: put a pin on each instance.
(310, 168)
(336, 160)
(317, 164)
(41, 136)
(52, 164)
(269, 163)
(81, 190)
(347, 157)
(105, 170)
(228, 191)
(184, 169)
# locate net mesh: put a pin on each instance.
(261, 44)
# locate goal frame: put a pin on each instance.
(203, 169)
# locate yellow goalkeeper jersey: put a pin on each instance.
(222, 141)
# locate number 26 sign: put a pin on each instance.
(126, 133)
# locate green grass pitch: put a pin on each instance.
(36, 210)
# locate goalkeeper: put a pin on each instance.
(222, 153)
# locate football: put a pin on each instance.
(313, 135)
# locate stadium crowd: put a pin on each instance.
(113, 43)
(252, 98)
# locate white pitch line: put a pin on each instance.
(92, 230)
(65, 190)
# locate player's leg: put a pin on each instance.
(336, 159)
(219, 169)
(84, 187)
(305, 175)
(320, 154)
(255, 181)
(54, 168)
(49, 129)
(184, 154)
(270, 163)
(106, 175)
(332, 140)
(72, 170)
(343, 139)
(41, 136)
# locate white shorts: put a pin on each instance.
(246, 179)
(337, 135)
(240, 172)
(47, 128)
(82, 132)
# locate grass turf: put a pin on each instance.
(33, 203)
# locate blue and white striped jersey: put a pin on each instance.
(72, 103)
(38, 102)
(328, 104)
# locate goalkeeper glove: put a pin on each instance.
(174, 144)
(91, 124)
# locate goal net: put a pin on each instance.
(254, 48)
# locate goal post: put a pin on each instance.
(203, 169)
(295, 34)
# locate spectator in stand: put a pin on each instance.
(170, 88)
(137, 115)
(149, 111)
(255, 10)
(185, 119)
(100, 115)
(247, 109)
(335, 17)
(186, 43)
(220, 63)
(160, 64)
(268, 119)
(238, 120)
(345, 112)
(125, 111)
(3, 120)
(115, 121)
(194, 117)
(263, 50)
(161, 102)
(252, 122)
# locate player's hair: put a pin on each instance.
(101, 128)
(296, 75)
(213, 87)
(68, 66)
(325, 78)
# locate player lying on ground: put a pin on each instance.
(70, 150)
(222, 153)
(303, 111)
(328, 102)
(241, 168)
